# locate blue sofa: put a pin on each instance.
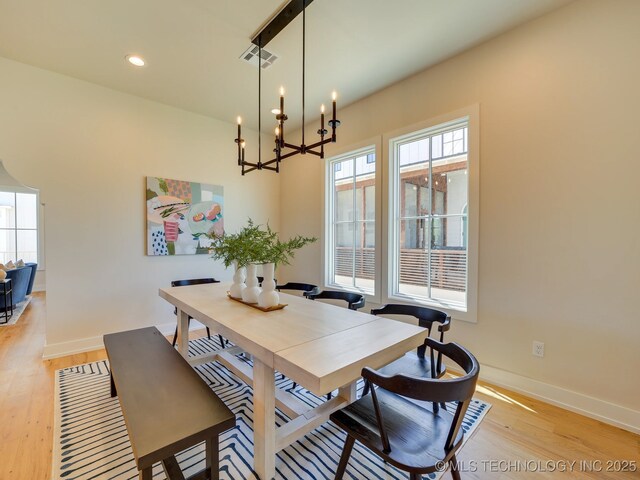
(21, 283)
(34, 267)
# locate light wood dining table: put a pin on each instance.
(320, 346)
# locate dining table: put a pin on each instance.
(320, 346)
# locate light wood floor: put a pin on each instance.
(517, 429)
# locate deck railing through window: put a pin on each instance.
(448, 267)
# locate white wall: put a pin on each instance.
(558, 118)
(88, 150)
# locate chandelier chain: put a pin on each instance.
(304, 37)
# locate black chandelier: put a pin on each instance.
(275, 26)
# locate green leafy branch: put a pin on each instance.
(254, 244)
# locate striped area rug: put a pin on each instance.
(91, 441)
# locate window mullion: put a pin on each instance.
(332, 224)
(430, 219)
(15, 225)
(354, 226)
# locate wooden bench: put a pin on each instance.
(166, 406)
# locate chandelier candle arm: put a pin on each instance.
(240, 142)
(281, 117)
(334, 95)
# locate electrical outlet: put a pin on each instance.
(538, 349)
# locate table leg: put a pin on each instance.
(348, 392)
(264, 420)
(183, 333)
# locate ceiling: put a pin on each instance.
(192, 47)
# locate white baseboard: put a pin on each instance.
(63, 349)
(586, 405)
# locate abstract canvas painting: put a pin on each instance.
(180, 214)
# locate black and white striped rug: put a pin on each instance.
(91, 441)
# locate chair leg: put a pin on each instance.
(454, 468)
(329, 395)
(208, 333)
(219, 338)
(344, 458)
(415, 476)
(293, 387)
(175, 337)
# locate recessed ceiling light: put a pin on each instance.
(135, 60)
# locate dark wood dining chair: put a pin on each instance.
(415, 363)
(395, 424)
(305, 288)
(194, 281)
(354, 301)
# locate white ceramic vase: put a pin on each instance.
(238, 281)
(269, 296)
(252, 291)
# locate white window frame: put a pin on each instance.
(39, 230)
(327, 234)
(471, 114)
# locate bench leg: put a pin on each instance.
(212, 466)
(114, 392)
(172, 469)
(145, 474)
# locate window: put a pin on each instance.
(428, 257)
(351, 221)
(405, 229)
(18, 226)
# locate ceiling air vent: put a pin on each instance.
(251, 56)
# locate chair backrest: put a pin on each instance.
(435, 390)
(426, 316)
(307, 288)
(193, 281)
(432, 389)
(354, 300)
